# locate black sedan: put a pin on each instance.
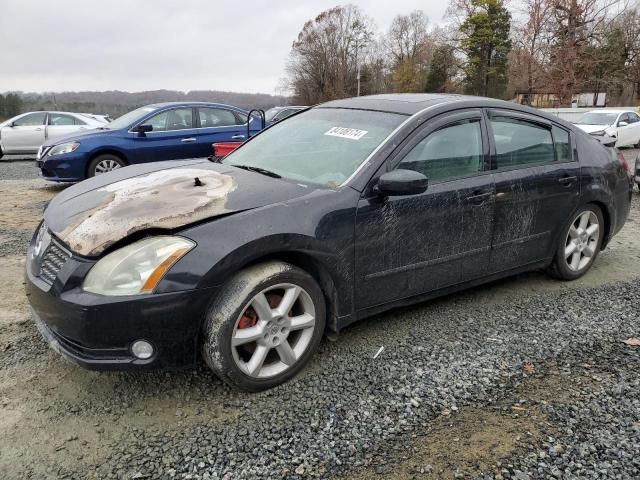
(333, 215)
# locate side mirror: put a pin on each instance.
(623, 124)
(401, 182)
(143, 129)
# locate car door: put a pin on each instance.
(623, 133)
(217, 125)
(409, 245)
(60, 125)
(26, 134)
(537, 179)
(629, 135)
(173, 137)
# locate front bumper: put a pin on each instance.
(69, 167)
(96, 332)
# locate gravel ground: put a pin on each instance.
(523, 378)
(18, 170)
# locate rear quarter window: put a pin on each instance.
(562, 144)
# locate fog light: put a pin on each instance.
(142, 349)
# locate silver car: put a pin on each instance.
(25, 133)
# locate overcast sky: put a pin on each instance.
(133, 45)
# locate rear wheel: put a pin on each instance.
(579, 244)
(264, 325)
(104, 163)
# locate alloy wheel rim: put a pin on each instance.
(273, 331)
(106, 165)
(582, 241)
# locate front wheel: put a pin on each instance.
(103, 164)
(264, 325)
(579, 244)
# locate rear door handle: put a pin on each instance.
(479, 199)
(188, 140)
(237, 137)
(567, 181)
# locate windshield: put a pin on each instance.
(128, 118)
(597, 118)
(322, 146)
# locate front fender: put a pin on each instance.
(318, 232)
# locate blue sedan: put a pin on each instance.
(163, 131)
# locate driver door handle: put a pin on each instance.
(188, 140)
(479, 199)
(567, 181)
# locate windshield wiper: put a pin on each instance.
(262, 171)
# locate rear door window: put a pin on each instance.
(218, 117)
(520, 143)
(60, 119)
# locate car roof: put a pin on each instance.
(411, 104)
(404, 103)
(193, 104)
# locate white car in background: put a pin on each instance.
(25, 133)
(624, 125)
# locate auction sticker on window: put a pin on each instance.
(344, 132)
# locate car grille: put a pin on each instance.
(52, 261)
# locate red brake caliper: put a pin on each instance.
(250, 318)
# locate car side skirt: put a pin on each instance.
(345, 321)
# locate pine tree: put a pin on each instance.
(442, 66)
(486, 44)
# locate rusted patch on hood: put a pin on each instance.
(163, 199)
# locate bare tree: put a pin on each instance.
(325, 57)
(577, 24)
(410, 48)
(531, 47)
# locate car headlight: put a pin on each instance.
(599, 133)
(63, 148)
(136, 268)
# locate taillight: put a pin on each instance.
(624, 162)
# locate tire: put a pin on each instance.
(104, 163)
(264, 332)
(585, 243)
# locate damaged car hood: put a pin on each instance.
(592, 128)
(94, 214)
